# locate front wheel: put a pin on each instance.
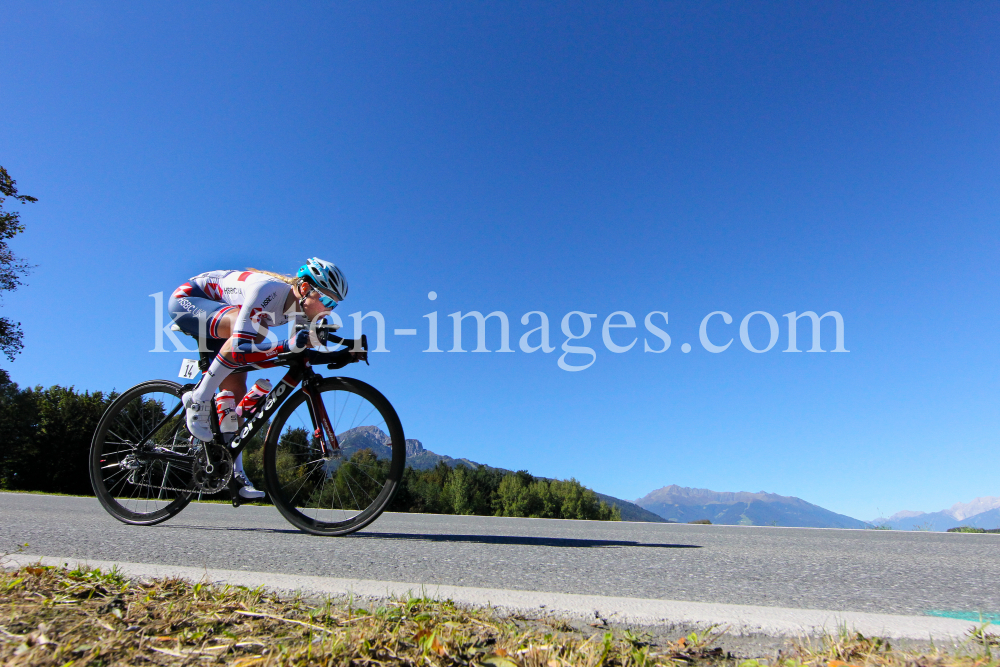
(338, 494)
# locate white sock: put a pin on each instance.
(218, 371)
(238, 464)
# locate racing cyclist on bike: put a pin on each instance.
(229, 313)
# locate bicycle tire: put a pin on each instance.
(369, 467)
(115, 441)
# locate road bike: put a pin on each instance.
(333, 453)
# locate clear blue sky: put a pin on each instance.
(680, 157)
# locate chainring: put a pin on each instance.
(213, 468)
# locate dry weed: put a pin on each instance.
(56, 616)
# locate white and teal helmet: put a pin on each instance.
(325, 275)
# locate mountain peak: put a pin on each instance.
(680, 503)
(682, 495)
(943, 519)
(905, 514)
(978, 506)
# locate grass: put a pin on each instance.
(58, 616)
(221, 501)
(45, 493)
(970, 529)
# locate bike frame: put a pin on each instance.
(268, 406)
(299, 370)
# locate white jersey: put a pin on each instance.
(260, 298)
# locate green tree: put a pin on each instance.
(295, 450)
(513, 496)
(520, 494)
(459, 491)
(12, 268)
(483, 484)
(18, 424)
(66, 424)
(542, 502)
(47, 434)
(427, 490)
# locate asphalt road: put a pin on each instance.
(844, 570)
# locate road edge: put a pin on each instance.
(740, 620)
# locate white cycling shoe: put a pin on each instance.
(248, 491)
(198, 415)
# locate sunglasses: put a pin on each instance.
(328, 301)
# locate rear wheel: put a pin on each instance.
(339, 494)
(132, 486)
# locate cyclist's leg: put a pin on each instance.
(212, 324)
(236, 383)
(199, 317)
(224, 325)
(220, 370)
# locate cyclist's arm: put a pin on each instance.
(259, 309)
(249, 346)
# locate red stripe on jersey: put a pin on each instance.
(244, 276)
(213, 291)
(225, 362)
(253, 357)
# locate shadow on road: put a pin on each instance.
(518, 540)
(187, 526)
(515, 540)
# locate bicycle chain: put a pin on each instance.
(193, 489)
(173, 488)
(165, 488)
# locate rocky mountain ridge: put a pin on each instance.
(683, 504)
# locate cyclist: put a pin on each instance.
(229, 313)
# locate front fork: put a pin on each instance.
(321, 420)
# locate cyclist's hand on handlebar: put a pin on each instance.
(317, 339)
(321, 334)
(300, 341)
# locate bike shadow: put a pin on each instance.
(506, 540)
(245, 529)
(521, 540)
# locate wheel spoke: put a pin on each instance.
(343, 493)
(288, 470)
(132, 487)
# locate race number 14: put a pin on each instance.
(189, 369)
